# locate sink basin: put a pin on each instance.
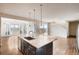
(29, 38)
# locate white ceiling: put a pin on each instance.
(51, 11)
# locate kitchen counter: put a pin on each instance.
(40, 45)
(39, 41)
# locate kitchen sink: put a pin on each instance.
(29, 38)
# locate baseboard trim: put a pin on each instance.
(71, 36)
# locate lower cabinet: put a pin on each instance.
(45, 50)
(28, 49)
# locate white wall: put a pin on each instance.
(59, 29)
(77, 36)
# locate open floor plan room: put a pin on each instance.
(39, 29)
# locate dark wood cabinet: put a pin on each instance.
(45, 50)
(28, 49)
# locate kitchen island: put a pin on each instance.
(42, 45)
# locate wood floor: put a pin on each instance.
(62, 46)
(65, 46)
(9, 46)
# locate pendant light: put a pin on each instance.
(41, 15)
(41, 27)
(34, 16)
(34, 20)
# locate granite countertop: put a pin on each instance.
(39, 41)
